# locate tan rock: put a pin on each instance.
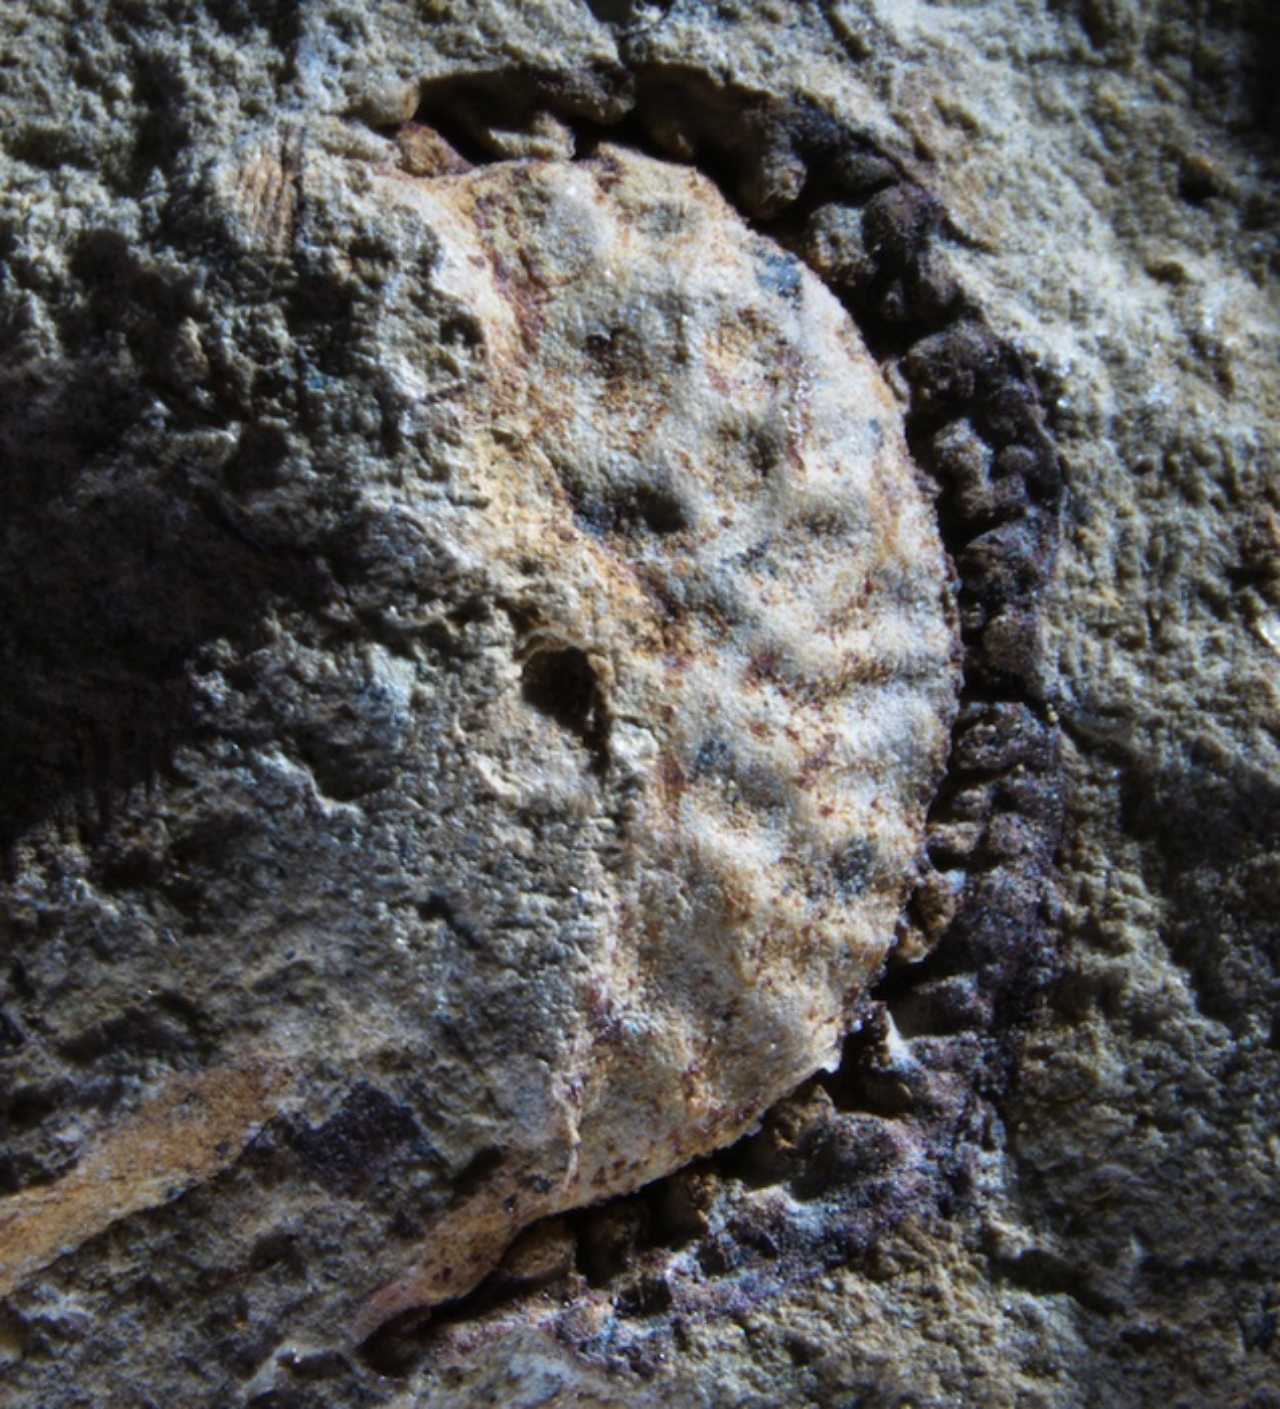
(582, 846)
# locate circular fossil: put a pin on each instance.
(693, 728)
(559, 832)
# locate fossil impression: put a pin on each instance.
(558, 833)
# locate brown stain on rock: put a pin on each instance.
(193, 1127)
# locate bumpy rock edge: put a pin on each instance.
(976, 958)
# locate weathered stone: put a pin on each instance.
(562, 831)
(1043, 1173)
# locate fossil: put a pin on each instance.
(555, 827)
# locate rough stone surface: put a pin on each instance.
(555, 823)
(254, 478)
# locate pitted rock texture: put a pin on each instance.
(1043, 1175)
(564, 833)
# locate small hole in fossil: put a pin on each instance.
(655, 506)
(562, 684)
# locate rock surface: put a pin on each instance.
(448, 553)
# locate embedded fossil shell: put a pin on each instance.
(566, 842)
(697, 724)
